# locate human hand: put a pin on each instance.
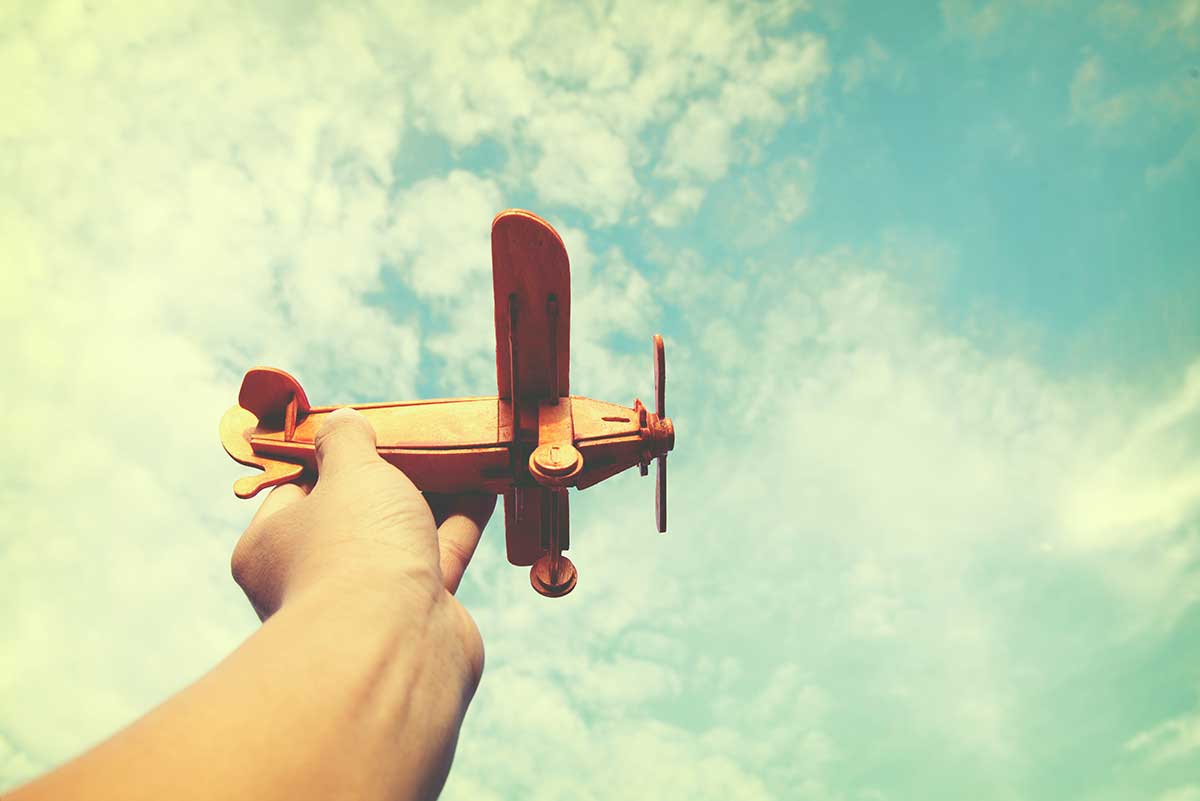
(356, 684)
(365, 528)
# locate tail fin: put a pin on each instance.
(269, 399)
(266, 393)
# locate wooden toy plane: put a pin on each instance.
(531, 441)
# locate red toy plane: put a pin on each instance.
(531, 441)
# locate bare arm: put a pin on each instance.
(357, 682)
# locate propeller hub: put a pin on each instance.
(555, 464)
(662, 435)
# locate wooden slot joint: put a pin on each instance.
(554, 538)
(289, 419)
(552, 367)
(643, 418)
(514, 389)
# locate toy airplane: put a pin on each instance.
(531, 441)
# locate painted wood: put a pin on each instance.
(532, 450)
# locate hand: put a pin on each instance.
(363, 527)
(356, 683)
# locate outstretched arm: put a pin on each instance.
(357, 682)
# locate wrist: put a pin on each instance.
(387, 621)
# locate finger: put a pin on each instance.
(466, 517)
(345, 441)
(277, 499)
(442, 505)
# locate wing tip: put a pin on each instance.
(524, 215)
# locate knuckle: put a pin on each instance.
(455, 552)
(472, 650)
(241, 564)
(245, 563)
(328, 431)
(349, 432)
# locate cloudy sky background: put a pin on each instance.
(928, 279)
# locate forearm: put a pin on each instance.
(337, 695)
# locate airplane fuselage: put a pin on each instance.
(466, 444)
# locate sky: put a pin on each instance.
(927, 275)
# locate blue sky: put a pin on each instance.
(927, 276)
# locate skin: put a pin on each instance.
(356, 683)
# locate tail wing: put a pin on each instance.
(270, 399)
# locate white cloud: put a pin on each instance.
(1190, 792)
(618, 753)
(906, 448)
(789, 185)
(964, 17)
(1150, 484)
(1178, 165)
(1119, 112)
(439, 234)
(700, 144)
(177, 217)
(910, 458)
(574, 100)
(854, 481)
(705, 140)
(1156, 24)
(1169, 741)
(872, 62)
(673, 209)
(188, 195)
(1090, 103)
(583, 165)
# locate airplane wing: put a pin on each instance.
(527, 513)
(531, 277)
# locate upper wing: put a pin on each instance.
(531, 277)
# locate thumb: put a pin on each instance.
(345, 441)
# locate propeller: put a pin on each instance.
(660, 403)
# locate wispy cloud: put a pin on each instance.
(1171, 740)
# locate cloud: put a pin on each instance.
(1178, 165)
(1158, 24)
(1151, 483)
(916, 443)
(968, 19)
(915, 476)
(1088, 100)
(190, 194)
(1190, 792)
(177, 219)
(683, 201)
(1147, 110)
(703, 142)
(574, 101)
(639, 758)
(583, 164)
(1169, 741)
(870, 504)
(873, 62)
(439, 234)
